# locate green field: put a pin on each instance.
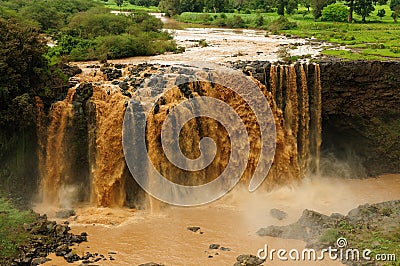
(378, 39)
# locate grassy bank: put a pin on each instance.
(12, 233)
(375, 40)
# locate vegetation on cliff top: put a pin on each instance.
(86, 30)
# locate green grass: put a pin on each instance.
(378, 39)
(12, 233)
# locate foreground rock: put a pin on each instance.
(47, 237)
(375, 227)
(248, 260)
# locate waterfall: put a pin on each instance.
(106, 157)
(298, 94)
(292, 91)
(54, 166)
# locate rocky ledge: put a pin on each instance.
(47, 237)
(375, 227)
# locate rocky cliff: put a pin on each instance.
(360, 111)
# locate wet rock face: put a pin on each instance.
(361, 102)
(360, 111)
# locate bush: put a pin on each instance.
(220, 22)
(281, 23)
(335, 12)
(236, 22)
(259, 20)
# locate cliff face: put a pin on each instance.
(360, 111)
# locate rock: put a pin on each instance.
(278, 214)
(225, 249)
(214, 246)
(38, 261)
(63, 214)
(71, 257)
(83, 92)
(61, 230)
(70, 71)
(248, 260)
(151, 264)
(124, 85)
(272, 230)
(193, 228)
(62, 250)
(119, 66)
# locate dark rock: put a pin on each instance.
(278, 214)
(248, 260)
(38, 261)
(119, 66)
(193, 228)
(225, 249)
(151, 264)
(214, 246)
(63, 214)
(70, 71)
(124, 85)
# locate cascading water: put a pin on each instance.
(293, 92)
(54, 166)
(298, 95)
(108, 164)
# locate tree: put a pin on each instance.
(216, 5)
(335, 12)
(394, 4)
(381, 13)
(350, 4)
(318, 5)
(119, 2)
(364, 8)
(306, 3)
(23, 71)
(291, 7)
(395, 7)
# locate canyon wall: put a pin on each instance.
(360, 112)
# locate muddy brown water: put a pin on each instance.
(139, 236)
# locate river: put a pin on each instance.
(161, 236)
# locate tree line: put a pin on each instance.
(282, 7)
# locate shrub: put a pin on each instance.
(381, 13)
(259, 20)
(220, 22)
(335, 12)
(236, 22)
(282, 23)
